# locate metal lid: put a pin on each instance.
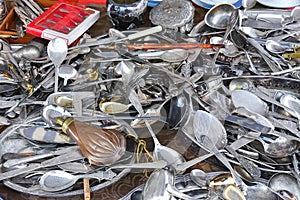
(172, 13)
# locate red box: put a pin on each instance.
(64, 19)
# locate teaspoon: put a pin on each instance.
(276, 47)
(57, 180)
(57, 50)
(255, 33)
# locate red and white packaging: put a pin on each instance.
(64, 19)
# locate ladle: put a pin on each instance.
(57, 50)
(218, 16)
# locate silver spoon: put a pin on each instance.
(240, 42)
(57, 50)
(285, 182)
(173, 55)
(155, 187)
(255, 33)
(199, 177)
(249, 105)
(260, 191)
(280, 147)
(291, 102)
(276, 47)
(206, 124)
(57, 180)
(205, 141)
(218, 16)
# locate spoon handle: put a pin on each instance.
(101, 175)
(265, 97)
(235, 145)
(175, 192)
(155, 165)
(65, 158)
(205, 140)
(183, 166)
(13, 162)
(247, 164)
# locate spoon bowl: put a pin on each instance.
(67, 72)
(218, 16)
(291, 102)
(285, 182)
(275, 47)
(199, 177)
(260, 191)
(280, 147)
(57, 50)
